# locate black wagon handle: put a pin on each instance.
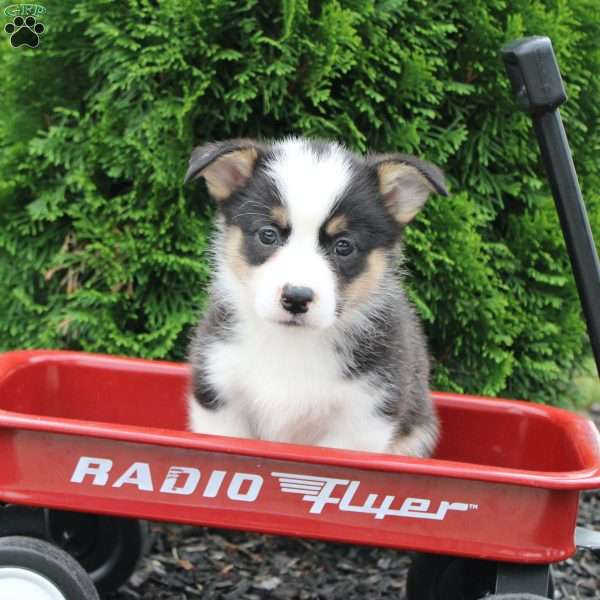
(536, 82)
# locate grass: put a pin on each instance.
(588, 384)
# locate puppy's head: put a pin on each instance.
(309, 227)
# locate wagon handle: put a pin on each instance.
(536, 82)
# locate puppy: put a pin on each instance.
(309, 337)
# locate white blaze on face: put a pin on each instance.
(309, 186)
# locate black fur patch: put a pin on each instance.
(374, 354)
(369, 226)
(215, 327)
(204, 393)
(370, 353)
(392, 352)
(251, 208)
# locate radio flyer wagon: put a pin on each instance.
(91, 444)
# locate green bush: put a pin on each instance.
(102, 249)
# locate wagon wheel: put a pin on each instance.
(108, 548)
(437, 577)
(32, 568)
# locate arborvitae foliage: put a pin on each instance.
(102, 249)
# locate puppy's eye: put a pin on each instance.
(269, 236)
(343, 247)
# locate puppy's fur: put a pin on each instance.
(309, 337)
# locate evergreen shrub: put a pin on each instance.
(102, 248)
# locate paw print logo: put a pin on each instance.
(24, 32)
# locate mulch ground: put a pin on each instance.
(186, 563)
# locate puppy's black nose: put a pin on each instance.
(295, 299)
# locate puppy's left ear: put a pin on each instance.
(405, 183)
(226, 166)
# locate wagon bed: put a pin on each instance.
(107, 435)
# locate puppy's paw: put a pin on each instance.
(420, 442)
(221, 420)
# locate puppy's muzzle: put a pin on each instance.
(296, 299)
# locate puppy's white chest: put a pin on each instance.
(288, 387)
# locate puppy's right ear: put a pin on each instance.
(226, 166)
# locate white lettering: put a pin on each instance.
(233, 492)
(319, 490)
(98, 468)
(414, 507)
(192, 478)
(245, 487)
(214, 484)
(139, 475)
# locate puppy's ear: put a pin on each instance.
(226, 166)
(405, 183)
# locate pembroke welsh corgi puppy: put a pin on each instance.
(309, 337)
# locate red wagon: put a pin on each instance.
(90, 444)
(107, 435)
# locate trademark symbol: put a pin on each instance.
(473, 506)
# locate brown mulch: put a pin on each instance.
(186, 563)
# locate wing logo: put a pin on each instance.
(321, 491)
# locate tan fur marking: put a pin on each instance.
(389, 174)
(336, 225)
(229, 172)
(280, 217)
(359, 290)
(234, 254)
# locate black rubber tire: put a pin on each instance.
(108, 548)
(438, 577)
(50, 562)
